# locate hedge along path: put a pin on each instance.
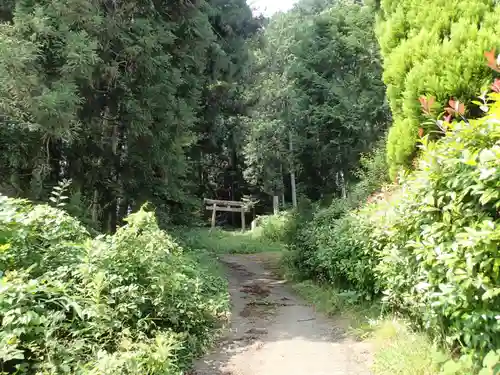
(275, 332)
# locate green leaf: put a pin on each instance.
(489, 195)
(490, 293)
(491, 359)
(451, 367)
(487, 173)
(486, 156)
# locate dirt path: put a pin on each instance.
(273, 332)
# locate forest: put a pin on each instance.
(374, 125)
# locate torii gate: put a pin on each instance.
(228, 206)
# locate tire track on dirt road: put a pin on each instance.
(274, 332)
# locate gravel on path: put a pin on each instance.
(274, 332)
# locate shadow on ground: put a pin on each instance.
(274, 332)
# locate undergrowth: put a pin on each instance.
(221, 241)
(428, 249)
(134, 302)
(399, 350)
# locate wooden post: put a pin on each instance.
(214, 210)
(276, 204)
(243, 219)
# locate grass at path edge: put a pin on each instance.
(398, 350)
(221, 241)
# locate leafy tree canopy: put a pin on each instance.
(318, 84)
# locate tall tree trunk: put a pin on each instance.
(95, 206)
(276, 204)
(113, 217)
(54, 156)
(292, 171)
(283, 202)
(122, 210)
(342, 181)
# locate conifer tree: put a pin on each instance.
(111, 95)
(432, 49)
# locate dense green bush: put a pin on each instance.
(432, 247)
(320, 239)
(371, 174)
(40, 237)
(344, 258)
(441, 257)
(436, 49)
(276, 227)
(129, 303)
